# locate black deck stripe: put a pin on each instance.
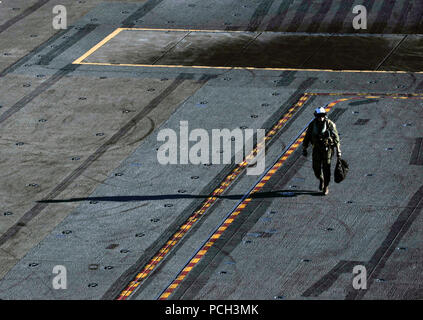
(299, 16)
(47, 58)
(141, 12)
(403, 17)
(398, 229)
(369, 5)
(54, 78)
(383, 16)
(34, 211)
(340, 17)
(22, 15)
(277, 20)
(330, 278)
(319, 16)
(287, 77)
(35, 93)
(33, 52)
(417, 154)
(259, 14)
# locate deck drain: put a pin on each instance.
(181, 191)
(389, 149)
(108, 267)
(33, 264)
(195, 177)
(67, 231)
(124, 251)
(254, 116)
(306, 260)
(155, 220)
(140, 235)
(278, 297)
(7, 213)
(151, 89)
(168, 205)
(100, 134)
(75, 158)
(265, 104)
(82, 98)
(33, 185)
(119, 174)
(92, 285)
(329, 229)
(93, 202)
(42, 120)
(275, 94)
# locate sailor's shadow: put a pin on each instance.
(257, 195)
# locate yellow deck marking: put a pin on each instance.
(81, 59)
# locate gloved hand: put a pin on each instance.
(338, 154)
(305, 152)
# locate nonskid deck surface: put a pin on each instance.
(82, 187)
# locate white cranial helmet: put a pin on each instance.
(319, 111)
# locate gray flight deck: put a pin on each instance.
(81, 185)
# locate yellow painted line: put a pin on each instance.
(236, 68)
(118, 30)
(97, 46)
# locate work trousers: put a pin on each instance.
(321, 164)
